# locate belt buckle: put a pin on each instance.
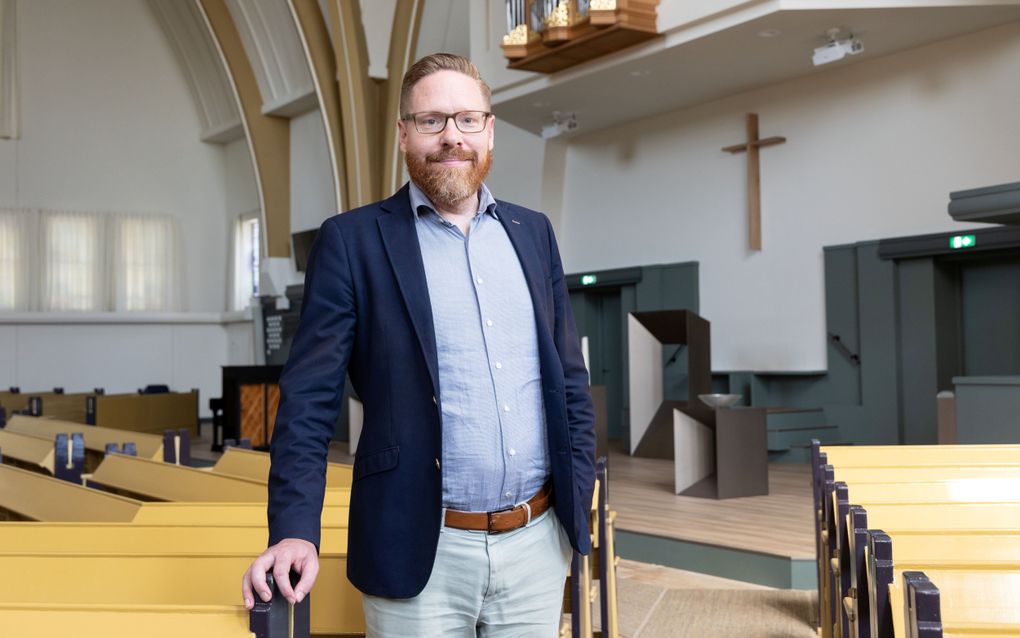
(488, 517)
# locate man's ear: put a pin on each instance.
(492, 131)
(402, 133)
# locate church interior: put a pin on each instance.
(791, 237)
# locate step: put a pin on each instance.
(785, 438)
(796, 454)
(782, 418)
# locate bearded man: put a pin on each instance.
(474, 473)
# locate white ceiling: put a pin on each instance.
(655, 78)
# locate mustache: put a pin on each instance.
(452, 154)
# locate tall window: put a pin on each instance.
(247, 242)
(72, 263)
(15, 236)
(87, 262)
(145, 249)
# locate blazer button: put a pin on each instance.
(437, 464)
(434, 399)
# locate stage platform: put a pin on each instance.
(767, 540)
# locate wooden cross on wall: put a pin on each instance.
(753, 176)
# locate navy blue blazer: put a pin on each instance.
(366, 313)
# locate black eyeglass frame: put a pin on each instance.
(446, 120)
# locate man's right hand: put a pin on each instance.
(289, 554)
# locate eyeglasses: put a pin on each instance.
(433, 122)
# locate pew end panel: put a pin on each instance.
(922, 610)
(277, 618)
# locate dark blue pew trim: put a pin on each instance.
(924, 610)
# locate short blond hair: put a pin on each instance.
(440, 62)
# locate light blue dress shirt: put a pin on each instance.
(495, 450)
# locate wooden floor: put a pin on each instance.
(641, 492)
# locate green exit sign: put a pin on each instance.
(589, 280)
(961, 241)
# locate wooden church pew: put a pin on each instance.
(104, 620)
(832, 512)
(57, 405)
(334, 514)
(156, 565)
(846, 456)
(891, 464)
(149, 413)
(961, 600)
(868, 495)
(845, 585)
(148, 446)
(151, 480)
(254, 464)
(33, 496)
(275, 619)
(849, 526)
(832, 543)
(908, 550)
(134, 537)
(27, 452)
(13, 401)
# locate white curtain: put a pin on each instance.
(17, 238)
(72, 262)
(145, 263)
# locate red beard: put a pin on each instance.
(447, 185)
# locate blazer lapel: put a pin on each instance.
(531, 264)
(400, 240)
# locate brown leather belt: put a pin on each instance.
(502, 520)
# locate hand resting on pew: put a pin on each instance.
(289, 554)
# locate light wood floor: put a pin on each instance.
(641, 492)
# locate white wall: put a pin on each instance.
(108, 124)
(123, 354)
(312, 194)
(516, 174)
(873, 151)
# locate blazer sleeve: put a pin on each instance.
(580, 413)
(311, 389)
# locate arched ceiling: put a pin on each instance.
(203, 70)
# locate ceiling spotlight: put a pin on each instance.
(837, 48)
(769, 33)
(562, 122)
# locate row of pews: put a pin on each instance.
(139, 545)
(151, 410)
(917, 541)
(159, 549)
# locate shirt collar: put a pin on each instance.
(486, 202)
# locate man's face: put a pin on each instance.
(448, 166)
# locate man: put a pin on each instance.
(450, 312)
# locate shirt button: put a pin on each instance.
(499, 366)
(512, 452)
(488, 322)
(479, 280)
(508, 494)
(506, 408)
